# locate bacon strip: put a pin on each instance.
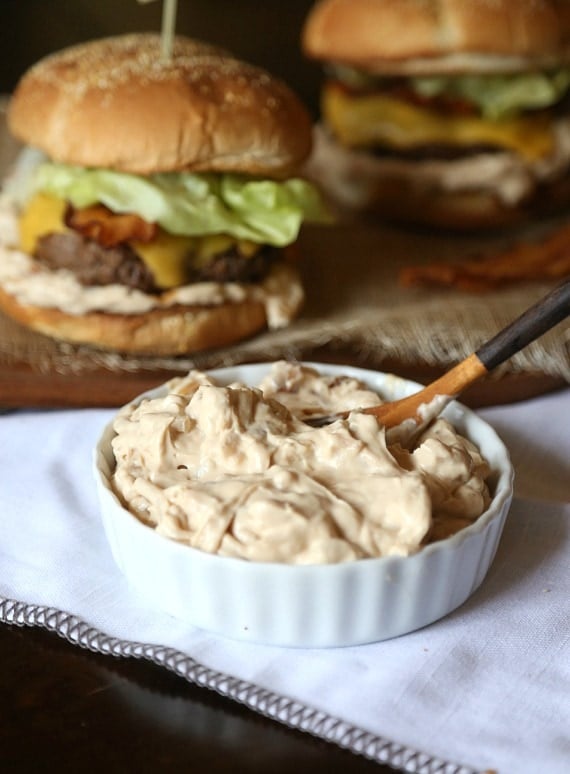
(544, 260)
(107, 228)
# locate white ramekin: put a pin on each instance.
(350, 603)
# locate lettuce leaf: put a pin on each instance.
(499, 96)
(264, 211)
(496, 96)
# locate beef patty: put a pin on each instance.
(93, 264)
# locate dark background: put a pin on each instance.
(264, 32)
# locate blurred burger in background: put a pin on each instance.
(453, 113)
(155, 202)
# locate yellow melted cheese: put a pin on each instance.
(377, 119)
(168, 257)
(43, 215)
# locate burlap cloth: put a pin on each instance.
(354, 303)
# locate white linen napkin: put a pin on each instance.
(488, 687)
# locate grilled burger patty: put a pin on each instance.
(93, 264)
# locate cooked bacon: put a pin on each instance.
(546, 259)
(398, 88)
(440, 103)
(107, 228)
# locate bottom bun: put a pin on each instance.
(459, 211)
(463, 194)
(463, 211)
(172, 331)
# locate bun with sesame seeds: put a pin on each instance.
(435, 36)
(155, 200)
(451, 113)
(117, 103)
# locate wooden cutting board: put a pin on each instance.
(23, 385)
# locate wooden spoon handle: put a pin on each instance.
(449, 385)
(538, 319)
(544, 315)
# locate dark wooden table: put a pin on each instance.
(66, 709)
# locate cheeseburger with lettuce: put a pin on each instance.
(447, 112)
(154, 205)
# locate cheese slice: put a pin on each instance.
(169, 257)
(376, 119)
(43, 215)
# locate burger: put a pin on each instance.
(453, 113)
(156, 203)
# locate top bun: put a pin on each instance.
(116, 103)
(423, 36)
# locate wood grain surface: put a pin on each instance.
(23, 387)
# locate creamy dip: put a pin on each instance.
(233, 470)
(21, 276)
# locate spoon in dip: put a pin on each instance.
(411, 414)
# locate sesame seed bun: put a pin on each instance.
(116, 103)
(436, 36)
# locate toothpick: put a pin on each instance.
(168, 26)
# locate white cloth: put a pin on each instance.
(488, 687)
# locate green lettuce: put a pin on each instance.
(496, 96)
(499, 96)
(264, 211)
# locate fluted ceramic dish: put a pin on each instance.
(351, 603)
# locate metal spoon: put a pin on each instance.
(418, 410)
